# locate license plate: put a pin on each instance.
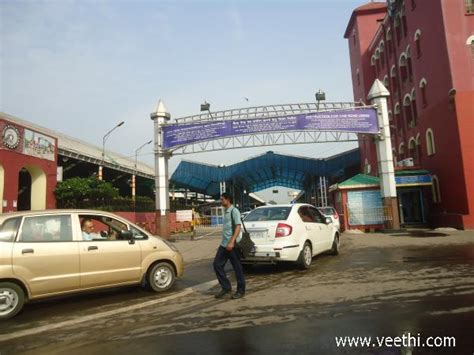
(258, 235)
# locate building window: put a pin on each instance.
(417, 43)
(394, 154)
(408, 111)
(388, 36)
(424, 101)
(393, 76)
(413, 106)
(405, 25)
(412, 152)
(469, 4)
(418, 147)
(409, 64)
(403, 64)
(385, 81)
(398, 29)
(436, 190)
(413, 4)
(430, 143)
(354, 37)
(470, 42)
(401, 151)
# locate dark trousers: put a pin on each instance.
(220, 260)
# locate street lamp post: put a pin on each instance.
(320, 96)
(206, 106)
(104, 139)
(134, 176)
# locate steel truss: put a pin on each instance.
(269, 111)
(267, 138)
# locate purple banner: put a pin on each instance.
(352, 120)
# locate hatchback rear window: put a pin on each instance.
(269, 214)
(9, 229)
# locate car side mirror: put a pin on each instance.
(328, 220)
(126, 235)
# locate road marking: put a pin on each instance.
(22, 333)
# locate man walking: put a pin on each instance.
(226, 251)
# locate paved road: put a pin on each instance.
(378, 286)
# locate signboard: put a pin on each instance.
(184, 216)
(413, 180)
(38, 145)
(365, 207)
(363, 120)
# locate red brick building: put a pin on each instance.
(423, 52)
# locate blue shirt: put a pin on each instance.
(227, 225)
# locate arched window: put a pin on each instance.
(390, 115)
(413, 4)
(354, 37)
(404, 21)
(393, 76)
(388, 36)
(409, 64)
(408, 110)
(401, 151)
(470, 42)
(430, 142)
(423, 84)
(385, 81)
(377, 60)
(373, 64)
(412, 152)
(395, 160)
(358, 77)
(402, 63)
(382, 54)
(417, 43)
(413, 105)
(398, 28)
(436, 190)
(469, 4)
(418, 147)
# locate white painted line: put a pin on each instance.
(22, 333)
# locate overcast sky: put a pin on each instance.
(80, 67)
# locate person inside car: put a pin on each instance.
(87, 227)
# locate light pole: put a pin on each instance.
(134, 176)
(320, 96)
(206, 106)
(104, 139)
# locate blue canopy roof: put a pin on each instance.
(261, 172)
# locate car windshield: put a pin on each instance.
(269, 214)
(327, 211)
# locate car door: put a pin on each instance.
(105, 260)
(310, 227)
(323, 230)
(45, 254)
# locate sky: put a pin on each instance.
(80, 67)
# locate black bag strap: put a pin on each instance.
(233, 222)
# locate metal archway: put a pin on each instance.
(272, 125)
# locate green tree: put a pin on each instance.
(84, 193)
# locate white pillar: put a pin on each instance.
(378, 96)
(160, 117)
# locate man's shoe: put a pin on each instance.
(238, 295)
(222, 293)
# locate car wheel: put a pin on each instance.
(161, 277)
(12, 299)
(335, 245)
(306, 256)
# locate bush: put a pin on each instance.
(97, 194)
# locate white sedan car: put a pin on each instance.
(331, 213)
(293, 233)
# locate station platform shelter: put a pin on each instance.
(34, 158)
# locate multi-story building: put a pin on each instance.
(423, 52)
